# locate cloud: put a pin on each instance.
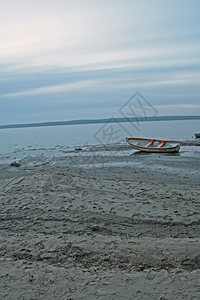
(104, 82)
(99, 51)
(54, 89)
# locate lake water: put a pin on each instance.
(71, 136)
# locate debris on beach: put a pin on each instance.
(15, 164)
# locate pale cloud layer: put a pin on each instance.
(79, 59)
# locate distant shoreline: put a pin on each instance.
(99, 121)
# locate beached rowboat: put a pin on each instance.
(152, 145)
(197, 135)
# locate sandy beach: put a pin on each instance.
(92, 226)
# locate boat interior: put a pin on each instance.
(152, 143)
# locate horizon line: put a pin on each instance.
(99, 121)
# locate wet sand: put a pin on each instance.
(90, 226)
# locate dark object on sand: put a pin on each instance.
(152, 145)
(197, 135)
(15, 164)
(95, 228)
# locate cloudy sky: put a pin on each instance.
(64, 59)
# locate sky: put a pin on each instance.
(65, 60)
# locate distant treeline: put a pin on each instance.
(97, 121)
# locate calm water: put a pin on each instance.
(12, 140)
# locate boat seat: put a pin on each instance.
(149, 143)
(161, 144)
